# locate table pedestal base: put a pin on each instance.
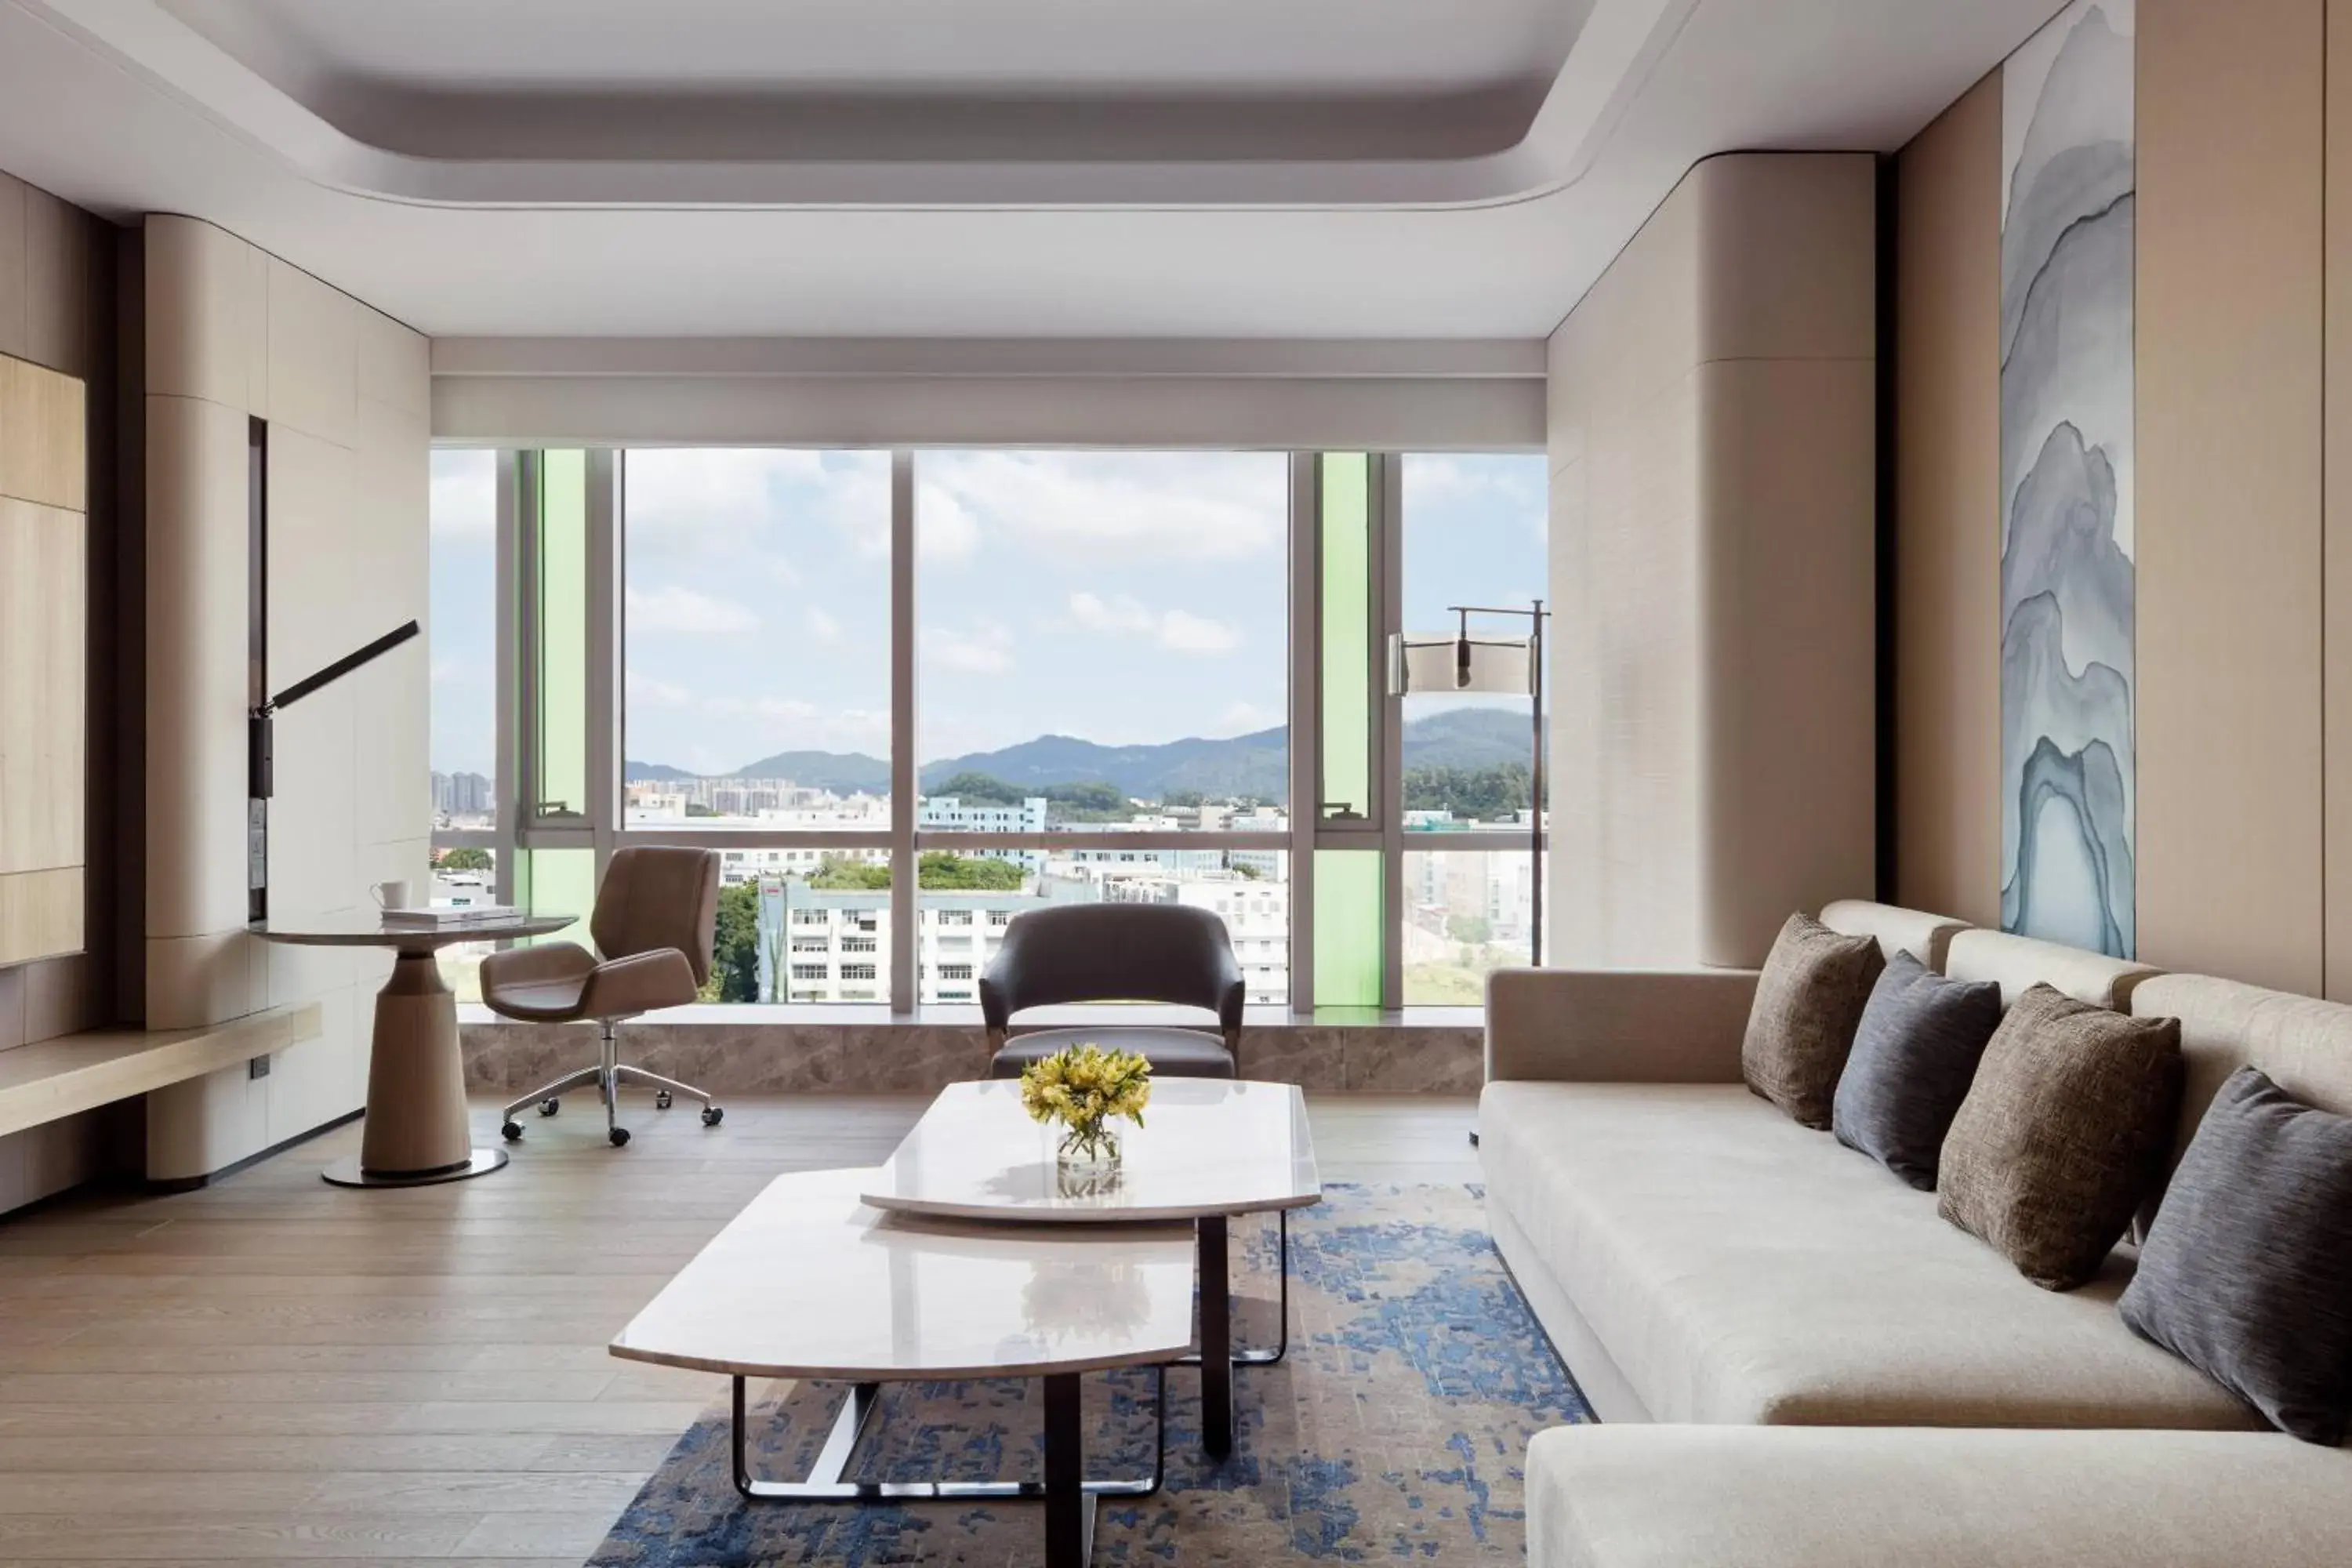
(347, 1172)
(1069, 1497)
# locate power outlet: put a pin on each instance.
(257, 1068)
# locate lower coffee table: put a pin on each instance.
(1209, 1149)
(808, 1282)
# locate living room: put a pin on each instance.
(1174, 783)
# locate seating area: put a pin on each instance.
(1552, 781)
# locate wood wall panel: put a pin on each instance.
(2337, 511)
(44, 444)
(1946, 534)
(2229, 312)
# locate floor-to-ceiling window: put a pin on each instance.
(1081, 670)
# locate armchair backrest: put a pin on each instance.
(656, 897)
(1169, 953)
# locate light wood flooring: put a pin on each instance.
(278, 1370)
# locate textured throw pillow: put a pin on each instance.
(2247, 1273)
(1913, 1057)
(2063, 1132)
(1807, 1001)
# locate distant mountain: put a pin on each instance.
(1255, 765)
(653, 773)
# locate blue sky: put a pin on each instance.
(1127, 597)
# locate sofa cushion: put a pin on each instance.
(1722, 1497)
(1741, 1269)
(2247, 1274)
(1915, 1055)
(1922, 935)
(2018, 963)
(2061, 1136)
(1807, 1001)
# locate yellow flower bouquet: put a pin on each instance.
(1082, 1087)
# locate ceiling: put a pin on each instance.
(1380, 169)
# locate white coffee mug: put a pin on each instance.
(390, 895)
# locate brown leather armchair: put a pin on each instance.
(1171, 954)
(654, 924)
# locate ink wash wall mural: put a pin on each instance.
(2066, 404)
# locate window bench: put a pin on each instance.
(73, 1073)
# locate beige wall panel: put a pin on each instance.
(395, 364)
(40, 913)
(2228, 327)
(1787, 622)
(314, 608)
(197, 980)
(313, 356)
(196, 1127)
(313, 842)
(15, 339)
(207, 314)
(58, 995)
(12, 1008)
(43, 636)
(196, 678)
(57, 253)
(297, 974)
(2336, 632)
(391, 562)
(311, 1083)
(1780, 275)
(44, 440)
(1946, 551)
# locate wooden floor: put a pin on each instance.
(278, 1370)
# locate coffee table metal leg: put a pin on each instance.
(1216, 1338)
(1263, 1355)
(1069, 1497)
(1069, 1507)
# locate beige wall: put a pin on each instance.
(57, 310)
(232, 331)
(2241, 607)
(1713, 449)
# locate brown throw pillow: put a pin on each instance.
(1807, 1001)
(2062, 1133)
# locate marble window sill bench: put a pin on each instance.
(746, 1050)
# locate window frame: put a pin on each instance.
(520, 828)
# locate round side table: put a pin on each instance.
(415, 1133)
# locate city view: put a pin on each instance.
(1104, 650)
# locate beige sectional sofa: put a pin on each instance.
(1706, 1264)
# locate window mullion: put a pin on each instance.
(905, 895)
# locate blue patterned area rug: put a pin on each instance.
(1394, 1430)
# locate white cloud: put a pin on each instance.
(822, 626)
(986, 649)
(464, 498)
(1246, 718)
(945, 531)
(1125, 507)
(1179, 631)
(673, 608)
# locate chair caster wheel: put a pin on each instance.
(712, 1115)
(512, 1132)
(619, 1135)
(661, 1100)
(550, 1106)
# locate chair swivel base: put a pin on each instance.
(609, 1073)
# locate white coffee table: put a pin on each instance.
(808, 1282)
(1209, 1149)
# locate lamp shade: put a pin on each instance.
(1431, 661)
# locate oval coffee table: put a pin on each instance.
(416, 1131)
(1208, 1149)
(808, 1282)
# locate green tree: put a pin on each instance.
(464, 859)
(696, 808)
(1473, 795)
(1475, 930)
(735, 953)
(940, 869)
(839, 873)
(986, 787)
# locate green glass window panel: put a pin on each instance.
(1346, 546)
(1347, 928)
(557, 883)
(563, 664)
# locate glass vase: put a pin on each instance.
(1090, 1146)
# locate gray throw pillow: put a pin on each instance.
(2247, 1272)
(1915, 1055)
(1800, 1027)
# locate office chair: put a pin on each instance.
(654, 923)
(1169, 953)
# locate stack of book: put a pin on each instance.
(450, 917)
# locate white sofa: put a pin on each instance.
(1703, 1262)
